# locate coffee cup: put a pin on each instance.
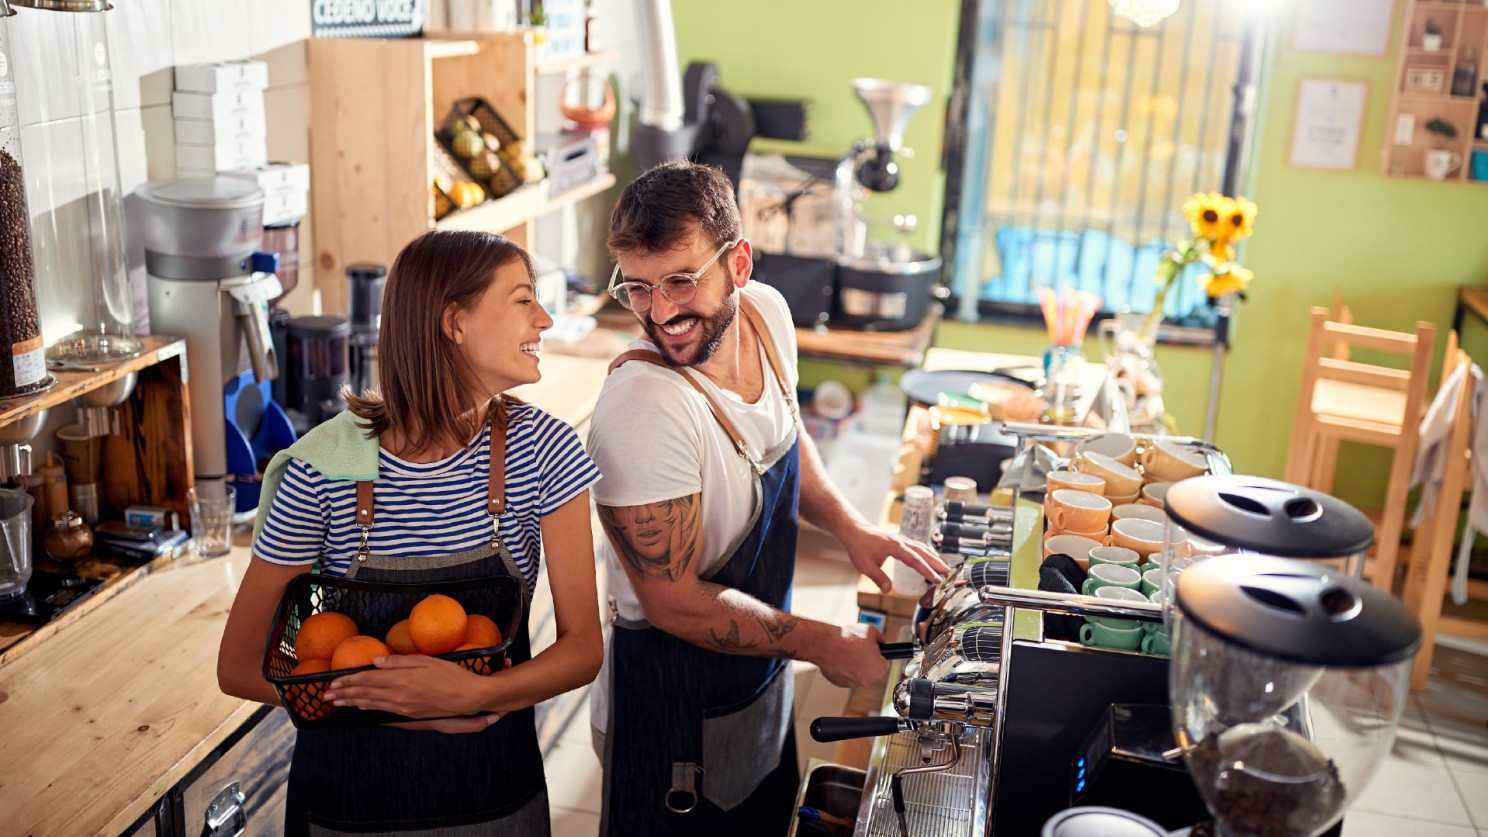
(1110, 575)
(1154, 494)
(1439, 163)
(1078, 511)
(961, 488)
(1142, 536)
(1118, 446)
(1075, 546)
(1075, 481)
(1145, 512)
(1152, 581)
(1116, 639)
(1117, 594)
(1124, 499)
(1121, 480)
(1118, 555)
(1168, 461)
(1157, 643)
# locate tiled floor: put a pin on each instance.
(1435, 783)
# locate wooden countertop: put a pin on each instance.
(104, 715)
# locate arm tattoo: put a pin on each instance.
(658, 540)
(777, 625)
(730, 642)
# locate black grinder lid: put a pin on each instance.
(365, 271)
(1295, 611)
(1268, 516)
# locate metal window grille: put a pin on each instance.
(1080, 136)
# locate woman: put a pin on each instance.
(461, 325)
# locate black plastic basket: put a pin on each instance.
(376, 606)
(491, 123)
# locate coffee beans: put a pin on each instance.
(20, 325)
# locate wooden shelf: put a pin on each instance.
(520, 206)
(576, 62)
(579, 193)
(1461, 32)
(72, 383)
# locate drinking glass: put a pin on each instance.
(212, 509)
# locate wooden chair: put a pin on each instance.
(1345, 400)
(1433, 550)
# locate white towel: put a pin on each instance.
(1431, 460)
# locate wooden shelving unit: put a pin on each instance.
(374, 107)
(1464, 38)
(577, 62)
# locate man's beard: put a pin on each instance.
(711, 328)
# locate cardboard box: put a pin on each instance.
(222, 156)
(277, 177)
(219, 107)
(285, 207)
(222, 77)
(212, 132)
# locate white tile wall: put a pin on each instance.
(146, 39)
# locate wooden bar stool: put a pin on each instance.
(1345, 400)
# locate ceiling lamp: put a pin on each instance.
(1144, 12)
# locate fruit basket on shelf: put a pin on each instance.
(326, 626)
(486, 147)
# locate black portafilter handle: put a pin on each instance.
(896, 650)
(962, 510)
(827, 730)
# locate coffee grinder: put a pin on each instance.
(209, 282)
(366, 281)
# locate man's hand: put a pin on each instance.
(867, 548)
(852, 659)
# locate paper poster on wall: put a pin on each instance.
(1355, 27)
(1325, 131)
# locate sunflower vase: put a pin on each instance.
(1128, 344)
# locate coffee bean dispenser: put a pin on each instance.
(86, 303)
(20, 324)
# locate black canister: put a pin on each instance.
(366, 280)
(317, 365)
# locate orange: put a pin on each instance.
(481, 632)
(319, 635)
(398, 639)
(304, 698)
(437, 624)
(475, 664)
(358, 651)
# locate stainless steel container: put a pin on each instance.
(212, 218)
(880, 294)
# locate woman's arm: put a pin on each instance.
(419, 686)
(240, 657)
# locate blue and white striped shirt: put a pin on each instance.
(434, 508)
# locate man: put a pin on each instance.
(705, 469)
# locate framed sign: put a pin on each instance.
(1325, 130)
(1422, 78)
(1353, 27)
(366, 18)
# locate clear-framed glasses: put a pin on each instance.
(678, 288)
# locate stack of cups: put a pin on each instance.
(914, 523)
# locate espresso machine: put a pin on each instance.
(210, 283)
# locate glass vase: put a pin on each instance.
(1128, 341)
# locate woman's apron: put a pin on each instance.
(699, 742)
(383, 780)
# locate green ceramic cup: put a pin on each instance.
(1110, 575)
(1117, 639)
(1156, 643)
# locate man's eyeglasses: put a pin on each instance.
(678, 288)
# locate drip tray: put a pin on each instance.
(48, 595)
(952, 803)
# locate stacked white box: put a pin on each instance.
(286, 189)
(565, 25)
(220, 118)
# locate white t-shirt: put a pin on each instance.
(655, 438)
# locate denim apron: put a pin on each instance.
(699, 742)
(382, 780)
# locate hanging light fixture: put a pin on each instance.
(1144, 13)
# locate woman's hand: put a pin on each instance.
(417, 686)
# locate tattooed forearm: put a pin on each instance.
(658, 540)
(777, 625)
(730, 641)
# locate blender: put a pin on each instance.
(1287, 684)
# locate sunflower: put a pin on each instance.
(1231, 281)
(1240, 222)
(1208, 214)
(1220, 251)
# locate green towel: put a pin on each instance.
(338, 448)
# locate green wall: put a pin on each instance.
(1397, 248)
(813, 49)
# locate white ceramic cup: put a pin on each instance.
(1154, 494)
(1145, 512)
(1439, 163)
(1075, 546)
(1141, 536)
(1121, 480)
(1118, 446)
(1167, 461)
(961, 488)
(1075, 481)
(1078, 511)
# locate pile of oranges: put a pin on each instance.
(330, 641)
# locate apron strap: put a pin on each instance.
(763, 333)
(366, 514)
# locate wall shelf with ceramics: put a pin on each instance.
(1442, 42)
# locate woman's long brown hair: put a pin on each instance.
(425, 389)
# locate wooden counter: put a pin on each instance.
(105, 715)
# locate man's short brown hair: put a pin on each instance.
(656, 210)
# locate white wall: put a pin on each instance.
(146, 39)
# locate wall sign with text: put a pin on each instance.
(1325, 130)
(366, 18)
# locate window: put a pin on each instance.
(1082, 135)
